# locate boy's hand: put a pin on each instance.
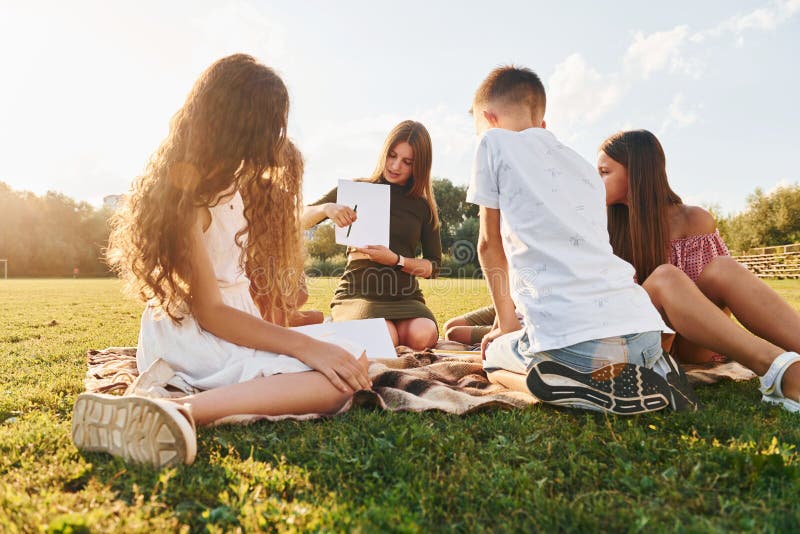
(341, 215)
(493, 334)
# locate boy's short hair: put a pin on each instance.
(510, 84)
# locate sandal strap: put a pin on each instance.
(771, 381)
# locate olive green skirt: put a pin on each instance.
(393, 310)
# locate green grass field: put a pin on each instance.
(733, 466)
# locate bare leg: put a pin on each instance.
(689, 352)
(454, 322)
(701, 321)
(760, 309)
(514, 381)
(460, 334)
(419, 333)
(392, 332)
(296, 394)
(306, 317)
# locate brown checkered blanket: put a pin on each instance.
(446, 379)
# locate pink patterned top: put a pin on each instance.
(692, 254)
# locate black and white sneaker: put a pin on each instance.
(622, 388)
(682, 395)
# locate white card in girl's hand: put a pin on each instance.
(371, 203)
(371, 334)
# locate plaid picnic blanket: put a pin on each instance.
(446, 379)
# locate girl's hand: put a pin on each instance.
(380, 254)
(341, 215)
(345, 372)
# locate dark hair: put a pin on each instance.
(511, 84)
(639, 232)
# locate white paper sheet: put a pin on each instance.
(372, 203)
(371, 334)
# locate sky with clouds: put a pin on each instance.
(89, 87)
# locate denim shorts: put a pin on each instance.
(511, 352)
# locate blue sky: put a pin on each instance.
(89, 87)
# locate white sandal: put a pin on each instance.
(138, 429)
(771, 382)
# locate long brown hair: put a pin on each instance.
(416, 135)
(639, 232)
(230, 134)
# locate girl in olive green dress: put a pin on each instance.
(380, 281)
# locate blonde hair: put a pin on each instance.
(230, 134)
(416, 135)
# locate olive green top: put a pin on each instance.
(410, 225)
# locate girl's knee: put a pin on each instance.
(719, 269)
(422, 335)
(393, 332)
(664, 277)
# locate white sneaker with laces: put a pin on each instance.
(138, 429)
(771, 382)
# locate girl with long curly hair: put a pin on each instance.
(209, 237)
(686, 269)
(380, 281)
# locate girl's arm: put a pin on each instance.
(426, 267)
(241, 328)
(385, 256)
(431, 241)
(327, 208)
(340, 215)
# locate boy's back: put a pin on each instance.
(564, 277)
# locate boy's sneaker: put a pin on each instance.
(622, 388)
(682, 395)
(138, 429)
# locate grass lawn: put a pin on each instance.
(732, 466)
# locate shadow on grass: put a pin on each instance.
(732, 466)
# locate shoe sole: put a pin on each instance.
(682, 395)
(133, 428)
(623, 388)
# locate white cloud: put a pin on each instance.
(579, 94)
(679, 115)
(255, 31)
(766, 18)
(657, 51)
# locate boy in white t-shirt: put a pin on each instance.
(592, 338)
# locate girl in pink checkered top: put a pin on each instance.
(683, 264)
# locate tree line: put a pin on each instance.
(52, 234)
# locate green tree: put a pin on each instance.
(51, 234)
(453, 208)
(769, 219)
(322, 244)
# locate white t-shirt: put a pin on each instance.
(564, 276)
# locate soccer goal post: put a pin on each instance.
(5, 268)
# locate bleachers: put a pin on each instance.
(782, 262)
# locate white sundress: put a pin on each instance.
(200, 359)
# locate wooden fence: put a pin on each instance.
(779, 262)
